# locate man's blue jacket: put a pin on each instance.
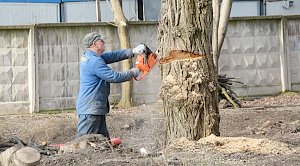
(95, 79)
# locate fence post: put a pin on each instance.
(32, 71)
(284, 62)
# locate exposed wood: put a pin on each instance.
(26, 156)
(189, 86)
(7, 155)
(179, 55)
(121, 23)
(17, 142)
(20, 156)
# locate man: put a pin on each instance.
(95, 78)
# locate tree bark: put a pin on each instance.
(121, 23)
(189, 85)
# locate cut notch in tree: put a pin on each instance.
(177, 55)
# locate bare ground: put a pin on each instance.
(266, 131)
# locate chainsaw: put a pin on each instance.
(145, 62)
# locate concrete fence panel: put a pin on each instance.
(293, 50)
(14, 87)
(251, 51)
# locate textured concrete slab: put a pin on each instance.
(14, 108)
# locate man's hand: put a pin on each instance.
(139, 49)
(135, 72)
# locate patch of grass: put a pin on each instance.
(57, 111)
(291, 92)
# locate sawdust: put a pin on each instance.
(235, 144)
(243, 144)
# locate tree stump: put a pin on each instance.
(20, 156)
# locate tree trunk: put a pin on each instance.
(121, 23)
(189, 83)
(98, 11)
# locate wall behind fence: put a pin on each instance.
(28, 13)
(39, 64)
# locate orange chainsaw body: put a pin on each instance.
(145, 62)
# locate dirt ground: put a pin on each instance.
(266, 131)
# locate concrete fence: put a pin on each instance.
(39, 64)
(264, 52)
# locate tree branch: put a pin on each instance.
(223, 24)
(216, 16)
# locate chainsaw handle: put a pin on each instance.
(141, 75)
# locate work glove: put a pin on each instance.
(139, 49)
(135, 72)
(129, 54)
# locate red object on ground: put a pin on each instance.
(115, 141)
(57, 145)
